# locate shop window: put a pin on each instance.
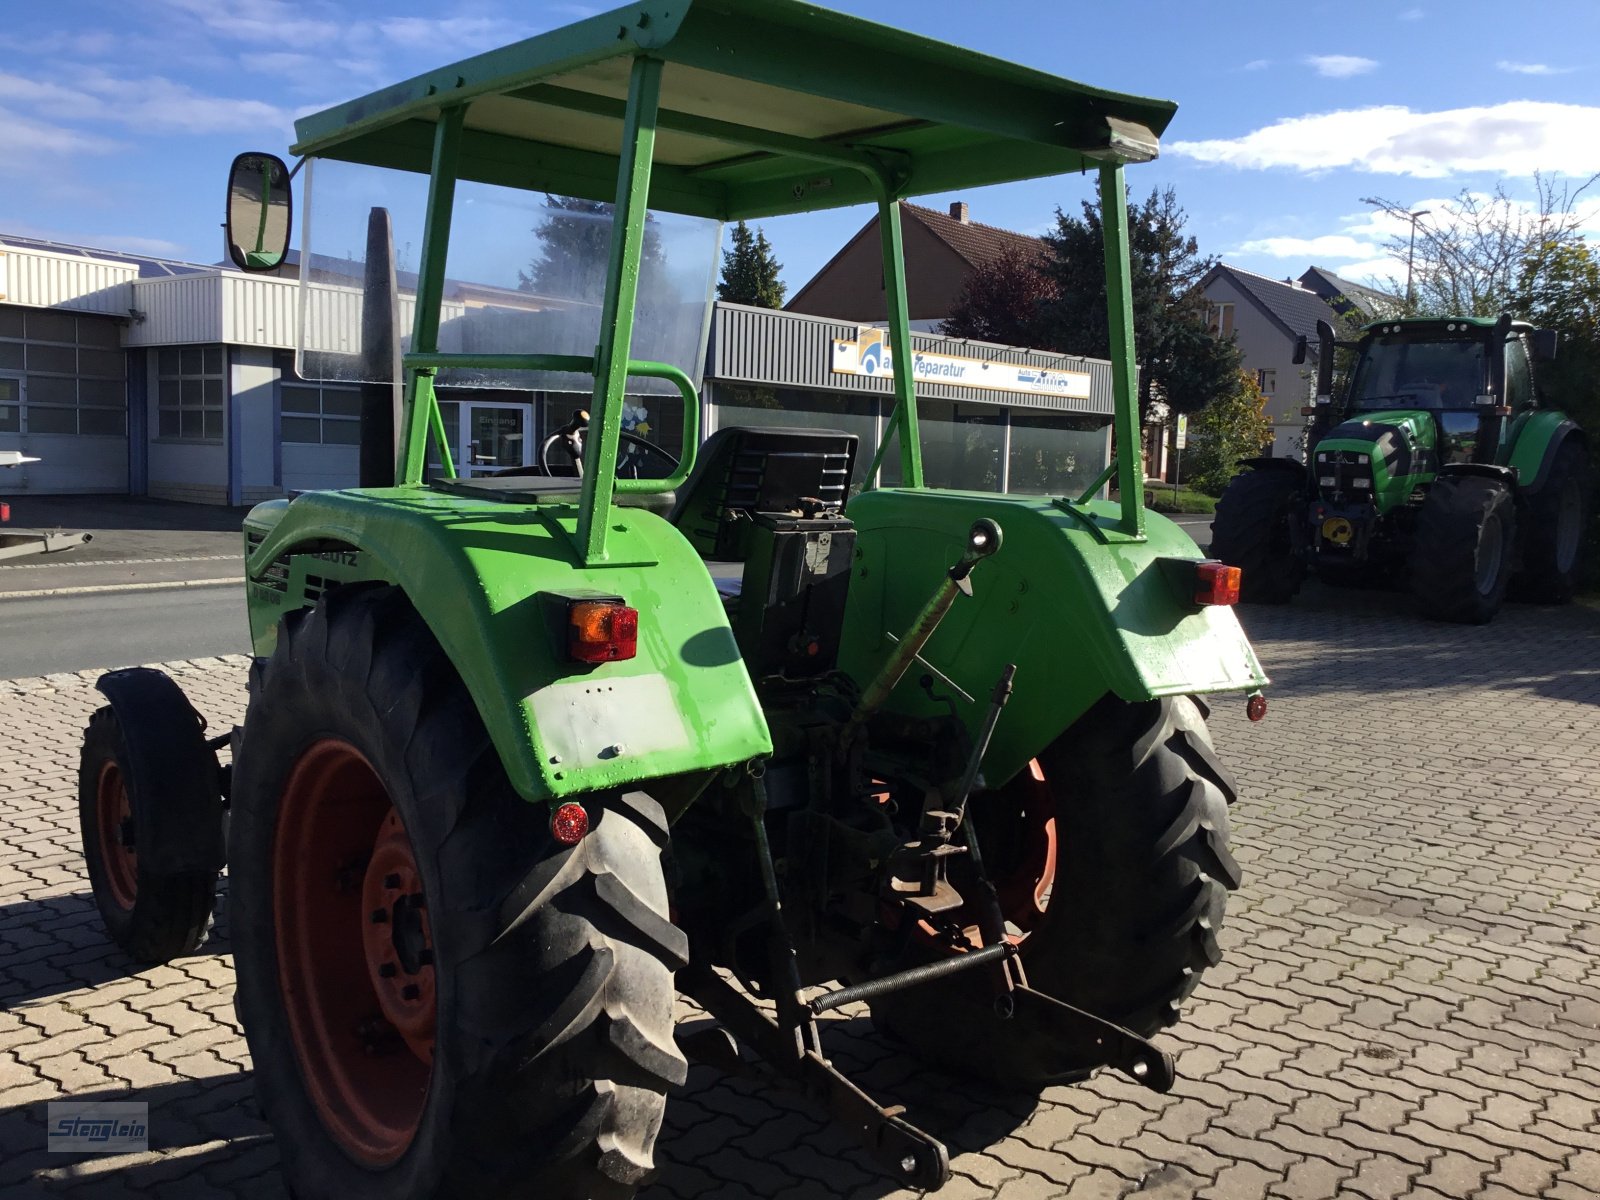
(190, 393)
(319, 415)
(1056, 454)
(750, 404)
(75, 383)
(10, 406)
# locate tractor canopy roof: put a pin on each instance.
(1431, 327)
(767, 107)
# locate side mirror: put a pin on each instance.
(1299, 350)
(1543, 344)
(260, 212)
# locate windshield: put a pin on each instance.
(525, 274)
(1396, 372)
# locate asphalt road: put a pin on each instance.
(43, 635)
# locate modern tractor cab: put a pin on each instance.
(1430, 403)
(530, 752)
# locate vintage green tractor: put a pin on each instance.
(528, 754)
(1439, 467)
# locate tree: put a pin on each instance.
(750, 271)
(1233, 426)
(1473, 253)
(575, 248)
(1001, 300)
(1179, 359)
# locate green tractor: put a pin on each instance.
(527, 755)
(1439, 468)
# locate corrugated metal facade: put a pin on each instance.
(179, 311)
(782, 349)
(44, 280)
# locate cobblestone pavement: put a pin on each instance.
(1409, 1003)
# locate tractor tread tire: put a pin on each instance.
(1251, 532)
(172, 914)
(1142, 878)
(1542, 579)
(1445, 551)
(555, 1049)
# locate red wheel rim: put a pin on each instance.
(114, 825)
(355, 952)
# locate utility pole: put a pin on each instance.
(1411, 244)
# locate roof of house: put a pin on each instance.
(1295, 310)
(1368, 302)
(977, 243)
(150, 266)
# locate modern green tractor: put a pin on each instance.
(1439, 467)
(529, 754)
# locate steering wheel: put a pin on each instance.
(634, 454)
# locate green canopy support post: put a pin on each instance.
(905, 380)
(616, 312)
(1119, 319)
(422, 407)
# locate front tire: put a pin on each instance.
(1141, 875)
(1253, 531)
(1553, 537)
(505, 1028)
(152, 917)
(1463, 553)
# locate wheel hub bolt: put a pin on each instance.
(410, 992)
(387, 970)
(380, 916)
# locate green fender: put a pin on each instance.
(1081, 608)
(1535, 437)
(483, 574)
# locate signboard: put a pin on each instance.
(1183, 432)
(869, 354)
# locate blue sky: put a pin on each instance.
(118, 119)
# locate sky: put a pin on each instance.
(118, 119)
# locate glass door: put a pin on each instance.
(494, 437)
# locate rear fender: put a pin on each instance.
(488, 578)
(1539, 438)
(1079, 607)
(173, 778)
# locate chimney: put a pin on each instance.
(960, 212)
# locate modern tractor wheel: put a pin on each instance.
(151, 916)
(1464, 547)
(1111, 858)
(1552, 535)
(441, 999)
(1252, 531)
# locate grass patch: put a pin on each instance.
(1186, 500)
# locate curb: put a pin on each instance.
(150, 586)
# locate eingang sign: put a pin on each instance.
(869, 355)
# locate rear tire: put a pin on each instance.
(1253, 531)
(542, 1063)
(1141, 884)
(1465, 541)
(1554, 534)
(152, 917)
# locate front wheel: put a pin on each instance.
(1254, 531)
(440, 998)
(1112, 863)
(1464, 548)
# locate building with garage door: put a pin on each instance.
(137, 375)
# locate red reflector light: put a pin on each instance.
(568, 824)
(1255, 707)
(1216, 582)
(602, 631)
(5, 511)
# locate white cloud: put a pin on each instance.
(1340, 66)
(467, 35)
(1412, 14)
(1522, 68)
(153, 103)
(1258, 64)
(1518, 137)
(1327, 246)
(24, 139)
(276, 22)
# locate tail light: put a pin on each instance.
(1216, 582)
(602, 631)
(569, 823)
(1255, 706)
